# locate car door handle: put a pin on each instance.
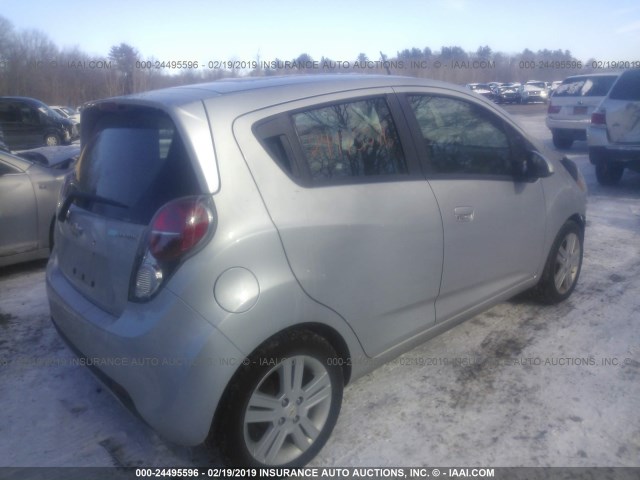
(463, 214)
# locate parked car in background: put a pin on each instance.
(554, 85)
(614, 132)
(573, 102)
(66, 112)
(534, 91)
(508, 93)
(61, 157)
(29, 188)
(3, 146)
(339, 221)
(483, 89)
(29, 123)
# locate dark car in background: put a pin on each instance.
(28, 122)
(3, 146)
(483, 89)
(507, 93)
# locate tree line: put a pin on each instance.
(32, 65)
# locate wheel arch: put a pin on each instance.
(327, 333)
(580, 220)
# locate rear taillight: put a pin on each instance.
(553, 108)
(177, 230)
(598, 118)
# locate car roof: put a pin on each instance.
(31, 100)
(591, 75)
(288, 87)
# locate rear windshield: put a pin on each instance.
(137, 160)
(596, 86)
(627, 87)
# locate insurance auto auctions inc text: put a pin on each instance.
(374, 472)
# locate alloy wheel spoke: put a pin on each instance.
(309, 428)
(317, 391)
(298, 371)
(291, 375)
(262, 408)
(269, 445)
(276, 446)
(560, 279)
(301, 440)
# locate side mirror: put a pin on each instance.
(532, 167)
(540, 166)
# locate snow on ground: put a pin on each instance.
(520, 385)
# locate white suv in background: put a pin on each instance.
(534, 91)
(572, 104)
(614, 132)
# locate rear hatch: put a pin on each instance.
(577, 97)
(623, 109)
(134, 162)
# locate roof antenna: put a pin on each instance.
(385, 63)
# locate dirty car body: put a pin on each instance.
(263, 242)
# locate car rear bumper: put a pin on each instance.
(625, 154)
(534, 98)
(164, 361)
(599, 143)
(575, 125)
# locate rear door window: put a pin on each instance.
(354, 139)
(136, 160)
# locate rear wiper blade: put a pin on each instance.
(88, 197)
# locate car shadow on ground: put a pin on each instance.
(22, 268)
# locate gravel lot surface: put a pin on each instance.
(520, 385)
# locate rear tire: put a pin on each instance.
(561, 141)
(281, 407)
(608, 173)
(562, 269)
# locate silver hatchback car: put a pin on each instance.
(228, 256)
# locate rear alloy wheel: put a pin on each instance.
(283, 404)
(563, 266)
(608, 173)
(51, 140)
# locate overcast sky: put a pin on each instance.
(205, 30)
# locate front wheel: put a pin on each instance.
(51, 140)
(561, 272)
(282, 406)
